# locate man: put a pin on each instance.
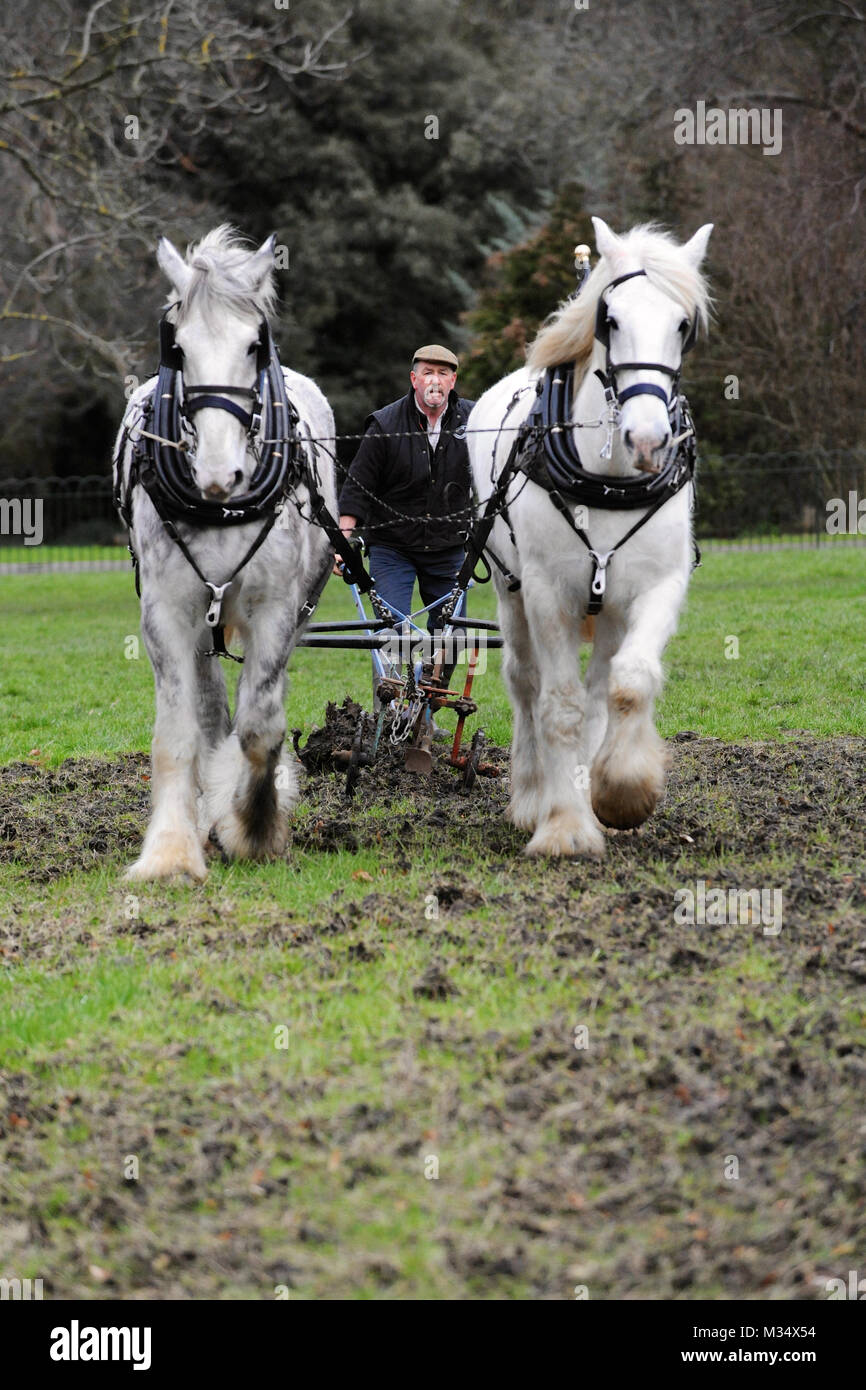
(408, 488)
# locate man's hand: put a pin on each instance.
(347, 526)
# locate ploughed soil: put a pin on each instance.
(705, 1138)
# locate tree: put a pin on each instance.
(522, 286)
(102, 110)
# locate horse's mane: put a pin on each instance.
(569, 333)
(223, 277)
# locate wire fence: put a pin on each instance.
(744, 502)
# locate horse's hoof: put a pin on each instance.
(236, 841)
(624, 802)
(565, 836)
(162, 864)
(627, 819)
(626, 805)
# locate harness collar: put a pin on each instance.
(271, 426)
(556, 462)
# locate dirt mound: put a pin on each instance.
(328, 748)
(721, 800)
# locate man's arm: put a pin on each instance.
(347, 526)
(362, 480)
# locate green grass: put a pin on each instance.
(47, 553)
(68, 689)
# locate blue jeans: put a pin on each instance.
(394, 576)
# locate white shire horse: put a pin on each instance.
(230, 781)
(586, 757)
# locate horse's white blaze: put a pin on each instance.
(222, 462)
(211, 773)
(585, 754)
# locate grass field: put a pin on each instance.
(68, 689)
(354, 1073)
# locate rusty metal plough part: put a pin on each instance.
(407, 693)
(417, 702)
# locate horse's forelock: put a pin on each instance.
(223, 278)
(569, 334)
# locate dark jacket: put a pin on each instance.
(402, 473)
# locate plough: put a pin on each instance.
(407, 686)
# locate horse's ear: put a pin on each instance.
(607, 242)
(173, 265)
(262, 261)
(696, 248)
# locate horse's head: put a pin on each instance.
(647, 317)
(224, 290)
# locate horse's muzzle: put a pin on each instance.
(218, 492)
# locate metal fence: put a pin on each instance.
(48, 523)
(744, 502)
(757, 501)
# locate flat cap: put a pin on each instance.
(435, 352)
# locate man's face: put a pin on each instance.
(432, 382)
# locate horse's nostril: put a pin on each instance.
(627, 438)
(238, 475)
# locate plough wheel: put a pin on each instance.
(475, 751)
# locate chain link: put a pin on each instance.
(460, 431)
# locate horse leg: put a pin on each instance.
(521, 680)
(565, 823)
(606, 635)
(628, 774)
(171, 845)
(215, 723)
(251, 784)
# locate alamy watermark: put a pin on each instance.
(738, 125)
(721, 907)
(20, 1289)
(846, 516)
(854, 1290)
(77, 1343)
(22, 517)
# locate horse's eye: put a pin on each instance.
(684, 327)
(253, 347)
(612, 323)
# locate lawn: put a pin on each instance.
(69, 689)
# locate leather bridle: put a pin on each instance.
(640, 388)
(270, 423)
